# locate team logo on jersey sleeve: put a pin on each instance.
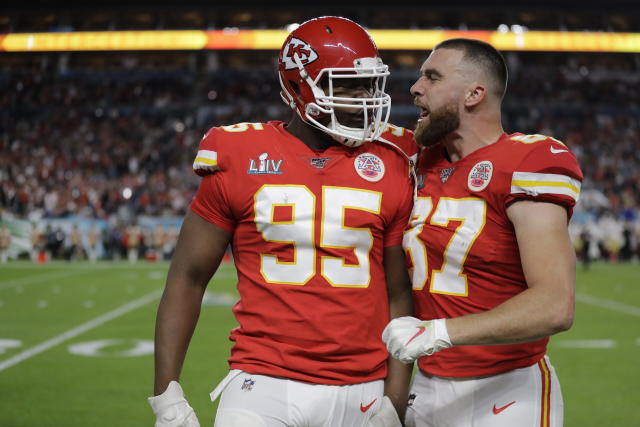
(264, 165)
(480, 175)
(369, 166)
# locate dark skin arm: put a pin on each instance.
(396, 385)
(200, 248)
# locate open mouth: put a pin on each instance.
(424, 113)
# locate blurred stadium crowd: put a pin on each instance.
(553, 15)
(108, 138)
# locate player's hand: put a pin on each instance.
(385, 416)
(172, 409)
(408, 338)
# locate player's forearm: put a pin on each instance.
(400, 304)
(177, 317)
(200, 248)
(397, 383)
(529, 316)
(398, 379)
(398, 283)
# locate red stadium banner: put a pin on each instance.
(229, 39)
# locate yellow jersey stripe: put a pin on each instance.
(529, 184)
(210, 162)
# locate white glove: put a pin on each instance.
(385, 416)
(408, 338)
(172, 409)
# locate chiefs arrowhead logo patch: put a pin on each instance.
(297, 47)
(369, 167)
(480, 175)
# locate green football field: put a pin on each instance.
(76, 345)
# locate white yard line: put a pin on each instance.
(60, 264)
(586, 343)
(37, 278)
(122, 310)
(611, 305)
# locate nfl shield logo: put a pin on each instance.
(248, 384)
(412, 398)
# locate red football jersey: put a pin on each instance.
(309, 229)
(462, 246)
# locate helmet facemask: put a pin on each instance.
(375, 108)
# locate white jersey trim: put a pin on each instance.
(206, 160)
(534, 184)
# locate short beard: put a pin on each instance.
(442, 122)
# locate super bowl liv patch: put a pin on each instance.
(264, 165)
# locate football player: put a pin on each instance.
(492, 265)
(5, 243)
(315, 211)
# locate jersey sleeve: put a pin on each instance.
(211, 203)
(206, 161)
(549, 173)
(395, 230)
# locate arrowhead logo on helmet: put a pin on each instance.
(305, 53)
(319, 56)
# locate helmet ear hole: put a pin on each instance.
(295, 87)
(324, 83)
(317, 65)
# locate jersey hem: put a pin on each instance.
(281, 373)
(485, 372)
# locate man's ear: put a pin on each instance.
(475, 95)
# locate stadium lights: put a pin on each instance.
(292, 27)
(518, 29)
(506, 38)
